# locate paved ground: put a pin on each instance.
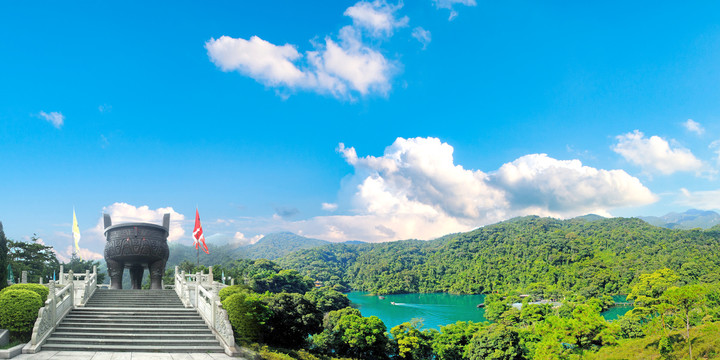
(88, 355)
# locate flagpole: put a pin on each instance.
(197, 248)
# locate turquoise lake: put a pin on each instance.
(434, 309)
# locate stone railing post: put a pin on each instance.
(41, 280)
(95, 269)
(197, 288)
(210, 276)
(62, 275)
(214, 298)
(23, 278)
(232, 281)
(52, 296)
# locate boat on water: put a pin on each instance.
(381, 297)
(392, 303)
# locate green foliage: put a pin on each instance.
(326, 299)
(346, 333)
(19, 310)
(649, 288)
(545, 257)
(41, 290)
(412, 344)
(289, 281)
(496, 342)
(248, 315)
(3, 258)
(35, 258)
(451, 342)
(293, 319)
(230, 290)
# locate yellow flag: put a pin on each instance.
(76, 235)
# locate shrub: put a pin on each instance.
(234, 289)
(248, 314)
(19, 310)
(36, 288)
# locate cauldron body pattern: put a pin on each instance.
(136, 246)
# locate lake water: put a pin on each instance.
(435, 310)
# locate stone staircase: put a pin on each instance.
(133, 320)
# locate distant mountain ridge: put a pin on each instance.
(271, 246)
(689, 219)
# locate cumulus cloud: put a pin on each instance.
(704, 200)
(415, 190)
(450, 4)
(377, 17)
(654, 154)
(55, 118)
(693, 126)
(341, 66)
(123, 212)
(422, 35)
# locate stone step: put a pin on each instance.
(136, 321)
(199, 329)
(207, 336)
(131, 325)
(187, 341)
(92, 317)
(134, 348)
(139, 311)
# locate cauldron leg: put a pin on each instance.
(136, 275)
(157, 270)
(115, 270)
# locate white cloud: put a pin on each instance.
(415, 190)
(715, 145)
(654, 154)
(449, 4)
(340, 67)
(377, 17)
(240, 239)
(422, 35)
(693, 126)
(85, 254)
(55, 118)
(329, 206)
(122, 212)
(704, 200)
(257, 58)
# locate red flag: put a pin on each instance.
(198, 236)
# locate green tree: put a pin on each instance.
(452, 340)
(347, 334)
(496, 342)
(649, 288)
(684, 300)
(326, 299)
(3, 258)
(37, 259)
(293, 319)
(412, 343)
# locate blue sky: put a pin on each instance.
(348, 120)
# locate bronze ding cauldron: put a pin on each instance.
(136, 246)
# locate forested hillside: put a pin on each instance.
(542, 256)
